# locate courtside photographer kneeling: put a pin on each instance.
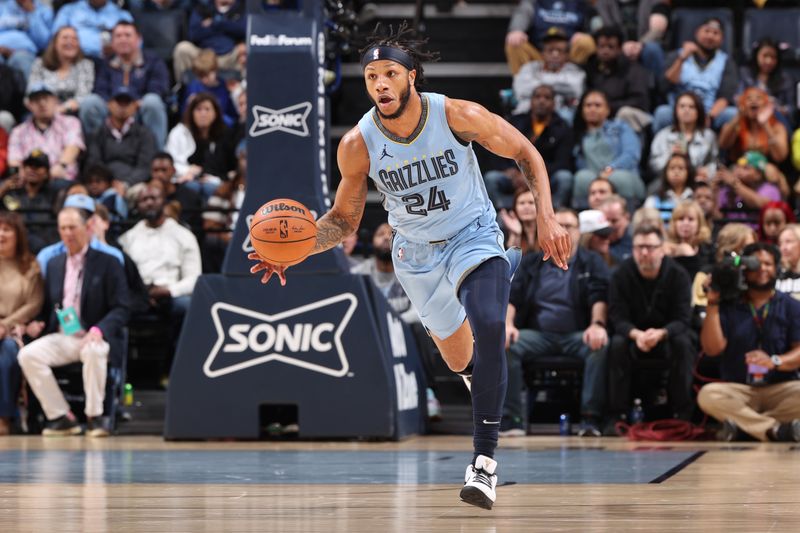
(757, 335)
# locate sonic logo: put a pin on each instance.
(292, 119)
(309, 337)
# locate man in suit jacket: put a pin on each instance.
(85, 310)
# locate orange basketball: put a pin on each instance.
(283, 232)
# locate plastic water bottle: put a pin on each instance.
(127, 397)
(564, 425)
(637, 413)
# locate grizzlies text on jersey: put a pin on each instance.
(430, 181)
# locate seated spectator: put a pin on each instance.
(745, 186)
(789, 271)
(162, 170)
(731, 240)
(643, 30)
(707, 200)
(594, 234)
(765, 71)
(531, 21)
(552, 137)
(121, 144)
(99, 182)
(649, 312)
(599, 190)
(12, 93)
(755, 127)
(615, 209)
(21, 297)
(88, 209)
(520, 223)
(94, 20)
(219, 25)
(33, 193)
(145, 76)
(218, 226)
(687, 135)
(65, 70)
(648, 216)
(205, 68)
(625, 83)
(606, 148)
(59, 136)
(566, 79)
(689, 238)
(556, 312)
(700, 66)
(77, 327)
(774, 216)
(168, 258)
(758, 337)
(676, 184)
(201, 146)
(380, 269)
(24, 32)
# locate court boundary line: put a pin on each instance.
(677, 468)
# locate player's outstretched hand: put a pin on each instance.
(268, 268)
(554, 241)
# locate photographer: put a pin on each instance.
(758, 337)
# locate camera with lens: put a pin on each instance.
(727, 276)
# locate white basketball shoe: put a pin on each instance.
(480, 482)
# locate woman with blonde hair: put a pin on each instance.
(789, 274)
(689, 237)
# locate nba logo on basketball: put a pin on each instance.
(284, 229)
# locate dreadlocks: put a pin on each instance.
(404, 39)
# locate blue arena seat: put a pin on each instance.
(685, 21)
(781, 25)
(161, 30)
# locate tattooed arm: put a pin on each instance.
(473, 122)
(348, 207)
(351, 196)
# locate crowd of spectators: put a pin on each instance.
(677, 158)
(121, 171)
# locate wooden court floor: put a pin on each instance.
(143, 484)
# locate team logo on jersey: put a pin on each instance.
(309, 337)
(384, 153)
(292, 119)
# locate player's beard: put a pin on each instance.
(404, 96)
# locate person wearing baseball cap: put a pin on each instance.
(745, 187)
(121, 144)
(59, 136)
(554, 69)
(595, 233)
(33, 192)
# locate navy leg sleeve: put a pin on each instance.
(484, 295)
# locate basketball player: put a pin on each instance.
(448, 250)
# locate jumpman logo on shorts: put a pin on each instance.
(384, 153)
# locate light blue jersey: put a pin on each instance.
(431, 182)
(438, 206)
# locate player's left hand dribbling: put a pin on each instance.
(554, 241)
(268, 268)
